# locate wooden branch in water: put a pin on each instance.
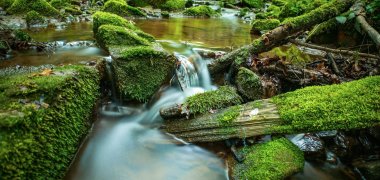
(338, 51)
(254, 119)
(277, 36)
(360, 19)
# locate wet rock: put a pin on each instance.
(327, 134)
(331, 158)
(375, 132)
(345, 141)
(369, 169)
(310, 144)
(99, 3)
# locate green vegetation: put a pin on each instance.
(260, 25)
(294, 8)
(276, 159)
(173, 5)
(6, 3)
(224, 97)
(201, 11)
(229, 115)
(140, 71)
(253, 3)
(22, 36)
(33, 17)
(249, 84)
(40, 6)
(102, 18)
(349, 105)
(58, 4)
(121, 8)
(72, 10)
(292, 54)
(108, 35)
(43, 119)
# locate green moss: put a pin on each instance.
(140, 71)
(279, 2)
(58, 4)
(22, 36)
(276, 159)
(6, 3)
(260, 25)
(40, 6)
(39, 141)
(165, 14)
(292, 54)
(73, 10)
(229, 115)
(273, 12)
(173, 5)
(249, 84)
(33, 17)
(294, 8)
(349, 105)
(253, 3)
(225, 96)
(146, 36)
(121, 9)
(102, 18)
(201, 11)
(115, 35)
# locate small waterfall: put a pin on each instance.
(110, 77)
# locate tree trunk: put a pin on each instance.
(364, 26)
(277, 36)
(254, 119)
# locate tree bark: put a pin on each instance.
(277, 36)
(337, 51)
(206, 128)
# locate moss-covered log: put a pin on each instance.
(365, 27)
(276, 159)
(276, 36)
(311, 109)
(43, 118)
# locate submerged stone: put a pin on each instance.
(276, 159)
(140, 71)
(43, 118)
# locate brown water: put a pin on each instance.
(216, 33)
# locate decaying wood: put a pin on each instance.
(364, 26)
(277, 36)
(337, 51)
(205, 128)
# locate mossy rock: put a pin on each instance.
(109, 35)
(276, 159)
(58, 4)
(260, 25)
(140, 71)
(103, 18)
(6, 3)
(40, 6)
(43, 120)
(33, 17)
(223, 97)
(249, 84)
(351, 105)
(294, 8)
(253, 3)
(279, 2)
(201, 11)
(122, 9)
(173, 5)
(73, 10)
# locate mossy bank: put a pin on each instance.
(43, 118)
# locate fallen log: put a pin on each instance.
(364, 26)
(277, 36)
(337, 51)
(310, 109)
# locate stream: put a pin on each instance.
(125, 142)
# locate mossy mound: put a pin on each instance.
(140, 71)
(224, 97)
(6, 3)
(249, 84)
(201, 11)
(253, 3)
(40, 6)
(33, 17)
(294, 8)
(121, 8)
(260, 25)
(173, 5)
(276, 159)
(109, 35)
(73, 10)
(58, 4)
(43, 118)
(102, 18)
(350, 105)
